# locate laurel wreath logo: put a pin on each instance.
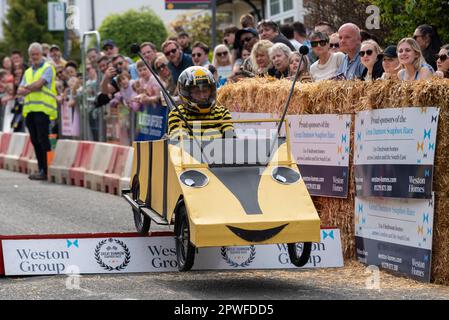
(252, 255)
(107, 267)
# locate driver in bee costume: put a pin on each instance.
(198, 92)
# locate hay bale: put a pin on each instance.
(349, 97)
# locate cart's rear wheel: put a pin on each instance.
(185, 251)
(141, 221)
(299, 260)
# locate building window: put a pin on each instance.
(288, 5)
(275, 7)
(289, 20)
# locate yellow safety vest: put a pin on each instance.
(43, 100)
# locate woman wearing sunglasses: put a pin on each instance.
(428, 40)
(328, 62)
(334, 43)
(414, 67)
(161, 67)
(371, 57)
(443, 62)
(222, 62)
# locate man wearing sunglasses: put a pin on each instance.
(178, 60)
(200, 54)
(350, 42)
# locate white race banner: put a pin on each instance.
(254, 129)
(152, 254)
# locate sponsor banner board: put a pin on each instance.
(395, 234)
(151, 254)
(151, 122)
(321, 147)
(70, 120)
(394, 152)
(187, 4)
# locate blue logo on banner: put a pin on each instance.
(359, 136)
(425, 217)
(360, 208)
(343, 138)
(431, 146)
(74, 243)
(427, 133)
(434, 118)
(330, 235)
(151, 123)
(427, 173)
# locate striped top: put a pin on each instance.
(207, 131)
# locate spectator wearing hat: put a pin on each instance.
(244, 38)
(109, 48)
(56, 56)
(269, 30)
(390, 63)
(184, 42)
(178, 60)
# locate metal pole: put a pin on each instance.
(214, 23)
(92, 9)
(66, 34)
(84, 110)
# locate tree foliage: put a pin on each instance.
(339, 12)
(402, 17)
(198, 28)
(133, 27)
(26, 22)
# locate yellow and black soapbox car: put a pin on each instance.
(223, 192)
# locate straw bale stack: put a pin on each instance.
(349, 97)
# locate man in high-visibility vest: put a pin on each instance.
(38, 86)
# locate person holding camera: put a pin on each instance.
(109, 84)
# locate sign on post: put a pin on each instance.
(187, 4)
(321, 147)
(56, 16)
(395, 234)
(394, 152)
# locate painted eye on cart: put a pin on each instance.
(285, 175)
(194, 179)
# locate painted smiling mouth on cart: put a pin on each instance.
(256, 235)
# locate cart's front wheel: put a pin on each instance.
(185, 251)
(299, 260)
(141, 221)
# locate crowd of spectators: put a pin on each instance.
(262, 49)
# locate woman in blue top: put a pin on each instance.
(414, 67)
